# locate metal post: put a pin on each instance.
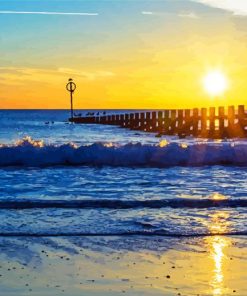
(71, 87)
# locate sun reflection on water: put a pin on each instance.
(217, 196)
(218, 245)
(219, 224)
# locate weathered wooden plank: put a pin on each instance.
(211, 122)
(103, 119)
(117, 119)
(131, 121)
(195, 121)
(148, 122)
(203, 122)
(172, 127)
(221, 130)
(113, 121)
(187, 123)
(136, 121)
(142, 121)
(240, 124)
(180, 122)
(126, 120)
(231, 120)
(121, 120)
(154, 122)
(161, 121)
(167, 121)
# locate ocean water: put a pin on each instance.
(62, 179)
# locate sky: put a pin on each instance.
(121, 53)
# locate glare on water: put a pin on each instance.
(217, 246)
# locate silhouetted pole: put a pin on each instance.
(71, 87)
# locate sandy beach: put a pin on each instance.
(123, 265)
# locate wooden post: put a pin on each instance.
(243, 119)
(148, 122)
(221, 119)
(136, 121)
(160, 122)
(241, 122)
(212, 122)
(131, 121)
(154, 122)
(107, 119)
(173, 122)
(231, 119)
(117, 119)
(113, 119)
(204, 122)
(104, 119)
(126, 120)
(187, 123)
(166, 121)
(142, 121)
(195, 119)
(180, 122)
(121, 120)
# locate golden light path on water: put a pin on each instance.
(219, 223)
(218, 246)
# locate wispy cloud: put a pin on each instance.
(88, 75)
(237, 7)
(191, 15)
(19, 75)
(49, 13)
(148, 12)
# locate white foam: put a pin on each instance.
(27, 152)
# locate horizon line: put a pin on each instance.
(140, 109)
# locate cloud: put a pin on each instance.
(49, 13)
(154, 13)
(237, 7)
(147, 13)
(88, 75)
(19, 76)
(191, 15)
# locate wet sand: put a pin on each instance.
(123, 266)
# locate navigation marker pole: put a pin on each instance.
(71, 87)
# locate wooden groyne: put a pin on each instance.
(210, 122)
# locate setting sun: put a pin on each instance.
(215, 83)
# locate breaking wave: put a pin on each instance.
(28, 152)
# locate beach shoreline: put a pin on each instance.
(123, 266)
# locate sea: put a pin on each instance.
(64, 179)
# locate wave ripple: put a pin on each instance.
(123, 204)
